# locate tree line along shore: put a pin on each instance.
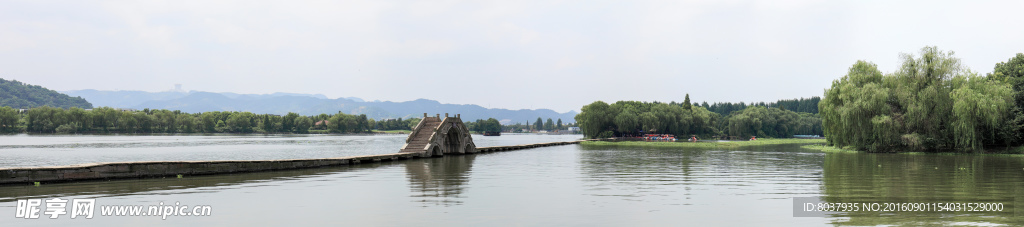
(931, 103)
(47, 119)
(74, 120)
(633, 118)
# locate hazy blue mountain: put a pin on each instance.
(416, 108)
(123, 99)
(196, 102)
(132, 99)
(355, 99)
(305, 104)
(278, 94)
(20, 95)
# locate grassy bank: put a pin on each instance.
(731, 144)
(994, 151)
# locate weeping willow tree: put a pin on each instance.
(979, 108)
(931, 102)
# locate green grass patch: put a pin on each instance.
(824, 148)
(730, 144)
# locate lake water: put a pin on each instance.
(57, 150)
(572, 185)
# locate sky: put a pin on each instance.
(550, 54)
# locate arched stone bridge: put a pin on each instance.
(434, 136)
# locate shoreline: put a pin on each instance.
(812, 144)
(730, 144)
(992, 151)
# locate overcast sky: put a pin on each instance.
(558, 55)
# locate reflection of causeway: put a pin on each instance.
(439, 180)
(432, 180)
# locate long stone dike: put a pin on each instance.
(127, 170)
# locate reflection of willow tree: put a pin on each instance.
(437, 180)
(638, 170)
(859, 177)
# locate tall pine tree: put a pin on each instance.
(686, 102)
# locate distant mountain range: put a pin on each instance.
(305, 104)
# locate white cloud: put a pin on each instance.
(564, 53)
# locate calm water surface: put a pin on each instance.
(51, 150)
(572, 185)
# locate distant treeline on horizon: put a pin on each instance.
(805, 105)
(685, 119)
(47, 119)
(109, 120)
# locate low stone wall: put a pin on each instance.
(118, 170)
(114, 170)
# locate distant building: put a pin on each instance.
(573, 129)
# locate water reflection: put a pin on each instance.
(25, 151)
(576, 184)
(158, 186)
(439, 181)
(928, 178)
(435, 181)
(775, 172)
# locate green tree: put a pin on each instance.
(594, 119)
(240, 122)
(980, 107)
(104, 117)
(489, 125)
(539, 124)
(686, 102)
(145, 122)
(930, 103)
(8, 119)
(1012, 72)
(81, 118)
(549, 125)
(302, 124)
(412, 122)
(209, 122)
(627, 121)
(288, 123)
